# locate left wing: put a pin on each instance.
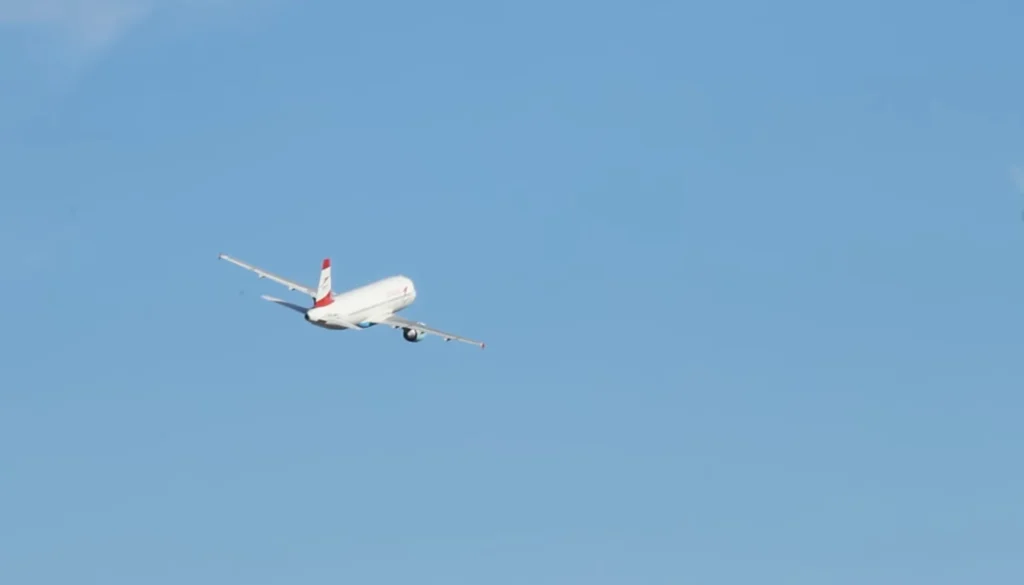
(396, 321)
(264, 274)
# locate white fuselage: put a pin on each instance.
(383, 297)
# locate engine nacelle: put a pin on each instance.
(412, 335)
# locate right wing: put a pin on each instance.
(396, 322)
(264, 274)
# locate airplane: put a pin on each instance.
(360, 308)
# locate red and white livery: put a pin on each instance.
(373, 304)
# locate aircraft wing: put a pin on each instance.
(264, 274)
(396, 321)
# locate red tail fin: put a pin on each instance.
(323, 290)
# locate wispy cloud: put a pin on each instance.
(89, 25)
(48, 46)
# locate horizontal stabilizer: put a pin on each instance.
(283, 303)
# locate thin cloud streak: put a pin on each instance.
(89, 25)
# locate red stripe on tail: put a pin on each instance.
(327, 299)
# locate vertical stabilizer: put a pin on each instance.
(323, 290)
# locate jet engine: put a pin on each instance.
(412, 335)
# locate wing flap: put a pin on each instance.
(292, 285)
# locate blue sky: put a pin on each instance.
(749, 275)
